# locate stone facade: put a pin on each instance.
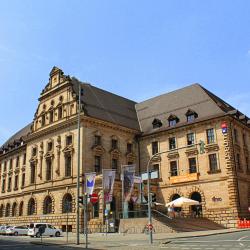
(38, 171)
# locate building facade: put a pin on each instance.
(39, 164)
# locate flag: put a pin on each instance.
(89, 182)
(108, 184)
(128, 181)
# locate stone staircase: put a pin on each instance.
(165, 225)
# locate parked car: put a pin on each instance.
(17, 230)
(3, 229)
(49, 230)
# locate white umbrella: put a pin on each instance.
(182, 201)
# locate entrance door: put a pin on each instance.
(196, 209)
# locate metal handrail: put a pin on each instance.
(162, 214)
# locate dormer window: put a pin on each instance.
(172, 120)
(191, 115)
(156, 123)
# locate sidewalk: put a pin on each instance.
(131, 241)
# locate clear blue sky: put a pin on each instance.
(137, 49)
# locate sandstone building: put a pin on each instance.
(38, 165)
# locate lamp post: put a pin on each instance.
(78, 171)
(201, 144)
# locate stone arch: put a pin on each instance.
(1, 210)
(68, 191)
(32, 206)
(172, 193)
(20, 210)
(196, 189)
(67, 201)
(14, 210)
(48, 204)
(7, 210)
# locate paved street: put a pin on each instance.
(181, 241)
(230, 241)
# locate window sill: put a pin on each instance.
(214, 171)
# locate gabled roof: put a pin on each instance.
(177, 103)
(17, 137)
(107, 106)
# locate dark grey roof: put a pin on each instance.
(177, 103)
(107, 106)
(17, 137)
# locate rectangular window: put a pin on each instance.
(154, 147)
(129, 147)
(190, 118)
(69, 140)
(114, 144)
(97, 140)
(24, 159)
(17, 161)
(172, 123)
(192, 165)
(11, 163)
(34, 151)
(5, 166)
(235, 135)
(48, 169)
(16, 182)
(244, 139)
(213, 165)
(190, 139)
(210, 136)
(114, 163)
(247, 163)
(43, 120)
(51, 116)
(97, 164)
(23, 179)
(68, 165)
(9, 184)
(173, 168)
(32, 173)
(238, 161)
(3, 185)
(172, 143)
(50, 146)
(60, 112)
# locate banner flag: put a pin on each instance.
(89, 182)
(108, 184)
(128, 181)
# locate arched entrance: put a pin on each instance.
(174, 197)
(196, 209)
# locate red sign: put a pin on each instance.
(223, 125)
(150, 227)
(94, 198)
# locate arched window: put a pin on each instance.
(14, 209)
(7, 210)
(67, 203)
(1, 210)
(31, 207)
(47, 206)
(21, 209)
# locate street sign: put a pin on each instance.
(94, 198)
(150, 227)
(224, 127)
